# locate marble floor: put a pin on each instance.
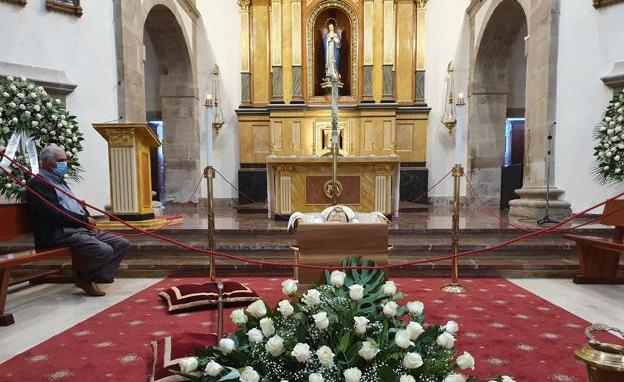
(46, 310)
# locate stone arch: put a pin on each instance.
(493, 76)
(171, 96)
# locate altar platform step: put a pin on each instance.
(543, 256)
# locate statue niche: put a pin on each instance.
(332, 49)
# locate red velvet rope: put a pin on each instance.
(290, 265)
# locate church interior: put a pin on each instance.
(312, 190)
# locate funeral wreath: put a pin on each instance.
(30, 120)
(609, 146)
(352, 328)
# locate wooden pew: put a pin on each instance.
(15, 222)
(599, 258)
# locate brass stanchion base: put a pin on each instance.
(454, 288)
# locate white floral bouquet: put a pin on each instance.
(351, 329)
(27, 109)
(609, 146)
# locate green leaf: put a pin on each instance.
(344, 343)
(387, 374)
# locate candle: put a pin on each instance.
(459, 135)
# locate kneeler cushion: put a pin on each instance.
(194, 296)
(168, 351)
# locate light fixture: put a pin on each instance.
(449, 117)
(214, 101)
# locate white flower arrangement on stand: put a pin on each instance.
(609, 146)
(27, 109)
(350, 329)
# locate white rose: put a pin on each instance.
(275, 346)
(465, 361)
(35, 123)
(402, 339)
(325, 356)
(320, 320)
(30, 86)
(454, 378)
(58, 101)
(38, 116)
(5, 129)
(352, 375)
(33, 95)
(54, 117)
(44, 131)
(312, 297)
(360, 324)
(609, 154)
(315, 377)
(617, 170)
(416, 308)
(301, 352)
(289, 287)
(285, 308)
(10, 78)
(255, 336)
(59, 125)
(617, 157)
(257, 309)
(12, 104)
(507, 379)
(5, 94)
(21, 95)
(239, 317)
(62, 116)
(22, 106)
(188, 364)
(446, 340)
(27, 113)
(412, 361)
(390, 309)
(64, 123)
(266, 324)
(414, 329)
(49, 104)
(213, 369)
(68, 131)
(249, 375)
(69, 154)
(13, 87)
(451, 327)
(603, 128)
(406, 378)
(618, 129)
(368, 351)
(356, 292)
(14, 120)
(337, 278)
(23, 78)
(606, 168)
(226, 345)
(389, 288)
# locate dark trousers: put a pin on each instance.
(96, 255)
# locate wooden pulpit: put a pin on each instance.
(129, 147)
(329, 243)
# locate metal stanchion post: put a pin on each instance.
(209, 174)
(454, 286)
(220, 311)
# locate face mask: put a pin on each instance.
(61, 169)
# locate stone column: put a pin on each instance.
(388, 50)
(405, 52)
(277, 95)
(367, 65)
(245, 64)
(297, 86)
(540, 114)
(421, 10)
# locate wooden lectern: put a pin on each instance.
(329, 243)
(129, 147)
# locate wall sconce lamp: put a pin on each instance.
(214, 101)
(449, 117)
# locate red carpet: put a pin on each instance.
(507, 329)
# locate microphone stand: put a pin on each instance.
(546, 219)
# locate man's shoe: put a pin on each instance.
(91, 289)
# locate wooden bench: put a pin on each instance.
(15, 222)
(599, 258)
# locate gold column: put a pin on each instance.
(421, 10)
(260, 59)
(378, 31)
(287, 50)
(405, 52)
(367, 65)
(389, 36)
(277, 96)
(297, 74)
(245, 65)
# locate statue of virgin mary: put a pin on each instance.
(331, 44)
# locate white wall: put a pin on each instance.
(83, 47)
(218, 41)
(447, 37)
(589, 43)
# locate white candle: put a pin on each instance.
(208, 135)
(459, 136)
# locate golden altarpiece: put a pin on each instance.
(285, 113)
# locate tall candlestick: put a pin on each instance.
(459, 136)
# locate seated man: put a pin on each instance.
(96, 255)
